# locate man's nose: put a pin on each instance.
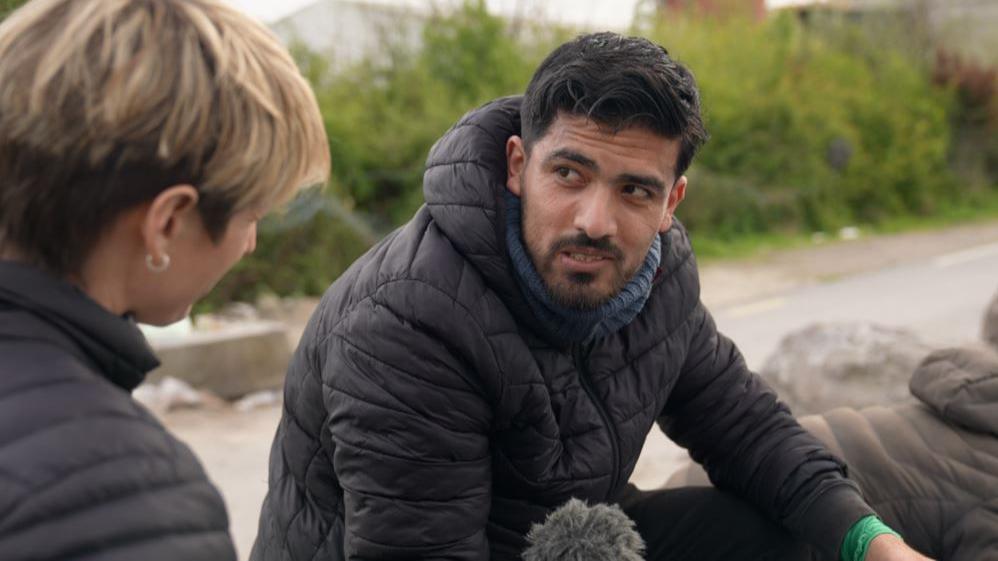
(594, 213)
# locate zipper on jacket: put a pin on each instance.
(580, 356)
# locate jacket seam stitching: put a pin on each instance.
(477, 163)
(74, 420)
(410, 460)
(443, 545)
(304, 505)
(139, 537)
(111, 499)
(385, 407)
(370, 356)
(385, 284)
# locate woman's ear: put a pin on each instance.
(516, 162)
(167, 218)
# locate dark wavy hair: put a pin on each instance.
(618, 82)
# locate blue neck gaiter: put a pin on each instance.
(568, 325)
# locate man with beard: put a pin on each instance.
(512, 345)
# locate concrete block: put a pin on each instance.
(230, 361)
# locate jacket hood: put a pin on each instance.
(42, 307)
(463, 187)
(961, 385)
(463, 184)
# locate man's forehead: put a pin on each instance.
(601, 143)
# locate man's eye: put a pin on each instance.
(565, 173)
(636, 191)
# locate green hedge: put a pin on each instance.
(813, 127)
(810, 130)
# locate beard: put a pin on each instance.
(581, 291)
(576, 291)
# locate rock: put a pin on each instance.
(989, 327)
(258, 400)
(825, 366)
(849, 233)
(235, 312)
(293, 312)
(167, 394)
(181, 328)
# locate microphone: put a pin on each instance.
(579, 532)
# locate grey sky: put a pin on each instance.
(611, 13)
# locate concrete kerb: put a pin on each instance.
(229, 361)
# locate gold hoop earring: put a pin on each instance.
(157, 267)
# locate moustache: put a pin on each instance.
(582, 240)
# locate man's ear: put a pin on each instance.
(516, 163)
(676, 196)
(167, 218)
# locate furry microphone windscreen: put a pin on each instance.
(579, 532)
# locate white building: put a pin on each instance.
(348, 30)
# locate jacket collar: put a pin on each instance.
(60, 313)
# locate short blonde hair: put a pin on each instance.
(105, 103)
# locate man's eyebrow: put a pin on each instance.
(572, 155)
(643, 180)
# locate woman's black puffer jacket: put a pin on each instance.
(86, 473)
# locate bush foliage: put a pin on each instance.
(814, 125)
(810, 130)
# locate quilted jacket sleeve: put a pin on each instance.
(750, 444)
(409, 422)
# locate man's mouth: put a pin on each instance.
(585, 258)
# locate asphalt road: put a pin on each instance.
(941, 299)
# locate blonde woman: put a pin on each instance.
(140, 142)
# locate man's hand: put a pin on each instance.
(886, 547)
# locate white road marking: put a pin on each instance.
(965, 256)
(755, 307)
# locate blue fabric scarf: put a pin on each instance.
(565, 324)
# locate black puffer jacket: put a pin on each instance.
(425, 418)
(86, 473)
(930, 469)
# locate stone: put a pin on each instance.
(258, 400)
(829, 365)
(849, 233)
(237, 312)
(989, 325)
(229, 360)
(167, 394)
